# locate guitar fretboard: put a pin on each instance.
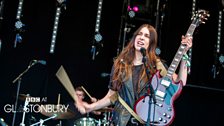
(180, 52)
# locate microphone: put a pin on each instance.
(105, 74)
(2, 122)
(143, 51)
(43, 62)
(144, 59)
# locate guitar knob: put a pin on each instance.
(164, 121)
(164, 114)
(169, 109)
(160, 119)
(168, 116)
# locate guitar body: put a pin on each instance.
(162, 113)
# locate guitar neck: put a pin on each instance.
(180, 52)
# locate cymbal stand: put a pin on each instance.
(109, 118)
(24, 111)
(106, 119)
(41, 122)
(98, 122)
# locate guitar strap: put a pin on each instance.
(130, 110)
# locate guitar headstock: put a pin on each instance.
(200, 16)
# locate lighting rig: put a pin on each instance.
(61, 4)
(19, 26)
(97, 42)
(218, 65)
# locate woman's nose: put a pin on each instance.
(142, 37)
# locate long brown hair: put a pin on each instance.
(124, 61)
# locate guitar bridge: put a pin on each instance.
(160, 99)
(160, 105)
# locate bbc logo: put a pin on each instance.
(32, 99)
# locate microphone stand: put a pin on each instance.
(152, 95)
(18, 79)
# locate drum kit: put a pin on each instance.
(88, 121)
(61, 112)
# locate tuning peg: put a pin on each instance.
(208, 15)
(203, 22)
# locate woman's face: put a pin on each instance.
(142, 39)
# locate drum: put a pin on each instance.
(86, 121)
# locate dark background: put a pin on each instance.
(201, 100)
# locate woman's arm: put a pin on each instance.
(182, 75)
(102, 103)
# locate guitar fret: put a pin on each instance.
(169, 75)
(170, 72)
(173, 65)
(180, 52)
(191, 30)
(172, 69)
(176, 59)
(182, 47)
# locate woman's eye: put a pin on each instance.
(139, 33)
(147, 35)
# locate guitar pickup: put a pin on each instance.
(160, 94)
(165, 82)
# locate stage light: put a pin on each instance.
(221, 59)
(131, 14)
(19, 10)
(1, 9)
(60, 4)
(219, 32)
(132, 11)
(129, 8)
(55, 28)
(98, 37)
(135, 9)
(98, 16)
(158, 51)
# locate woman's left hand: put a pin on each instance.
(187, 41)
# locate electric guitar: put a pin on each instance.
(166, 90)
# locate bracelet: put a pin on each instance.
(188, 64)
(187, 59)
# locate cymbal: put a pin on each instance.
(30, 99)
(59, 110)
(106, 109)
(23, 97)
